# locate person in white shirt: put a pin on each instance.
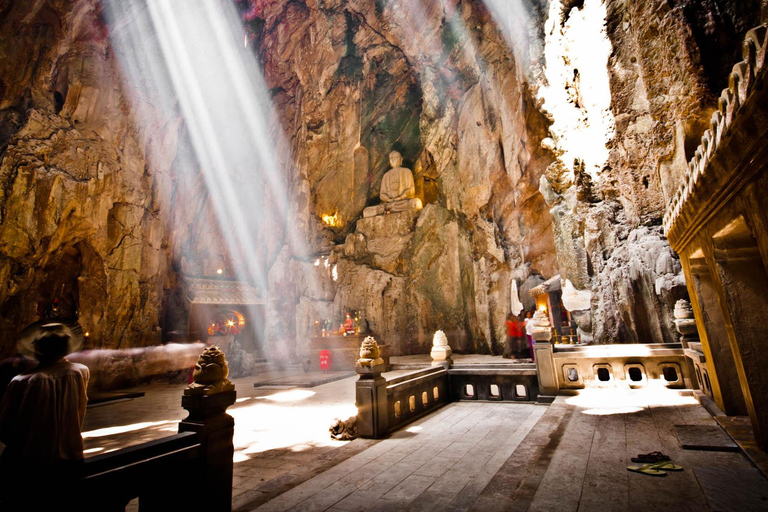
(42, 411)
(529, 331)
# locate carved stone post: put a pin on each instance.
(371, 392)
(686, 323)
(207, 400)
(544, 352)
(441, 352)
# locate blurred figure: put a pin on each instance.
(529, 332)
(11, 367)
(42, 411)
(515, 334)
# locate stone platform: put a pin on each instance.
(569, 456)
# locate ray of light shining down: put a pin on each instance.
(580, 106)
(513, 19)
(190, 56)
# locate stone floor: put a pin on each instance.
(571, 455)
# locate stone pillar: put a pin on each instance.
(441, 352)
(371, 392)
(207, 400)
(544, 353)
(715, 344)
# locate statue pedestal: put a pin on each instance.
(383, 238)
(392, 207)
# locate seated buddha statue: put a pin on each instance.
(398, 190)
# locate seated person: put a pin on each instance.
(42, 411)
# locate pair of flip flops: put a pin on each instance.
(656, 469)
(655, 464)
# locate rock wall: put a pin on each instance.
(437, 82)
(81, 216)
(668, 62)
(102, 207)
(96, 220)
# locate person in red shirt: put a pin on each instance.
(515, 333)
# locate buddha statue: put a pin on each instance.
(397, 183)
(398, 190)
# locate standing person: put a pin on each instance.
(529, 332)
(514, 336)
(42, 411)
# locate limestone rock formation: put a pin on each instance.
(98, 220)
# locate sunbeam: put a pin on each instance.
(193, 62)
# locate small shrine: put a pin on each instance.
(223, 311)
(334, 345)
(548, 296)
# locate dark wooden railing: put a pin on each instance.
(191, 470)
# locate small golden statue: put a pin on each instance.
(210, 375)
(369, 353)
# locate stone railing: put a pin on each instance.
(622, 365)
(741, 84)
(412, 395)
(493, 382)
(386, 405)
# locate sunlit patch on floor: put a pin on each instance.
(302, 426)
(602, 402)
(293, 395)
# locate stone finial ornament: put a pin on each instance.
(210, 375)
(683, 309)
(685, 322)
(542, 329)
(441, 352)
(369, 353)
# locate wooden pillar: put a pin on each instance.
(740, 277)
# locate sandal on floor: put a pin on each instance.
(647, 469)
(652, 457)
(667, 466)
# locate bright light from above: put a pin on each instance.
(293, 395)
(190, 71)
(578, 95)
